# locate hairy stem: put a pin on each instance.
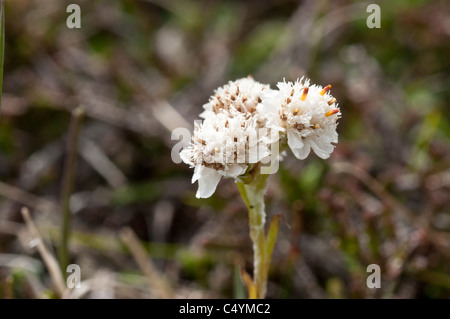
(253, 195)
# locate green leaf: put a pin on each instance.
(248, 282)
(238, 286)
(272, 235)
(243, 191)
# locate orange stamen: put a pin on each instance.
(333, 100)
(332, 112)
(305, 93)
(325, 90)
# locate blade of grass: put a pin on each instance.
(2, 45)
(68, 184)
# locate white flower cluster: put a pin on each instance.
(239, 124)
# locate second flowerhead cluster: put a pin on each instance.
(245, 123)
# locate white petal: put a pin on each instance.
(302, 153)
(185, 156)
(197, 172)
(321, 148)
(298, 146)
(295, 140)
(207, 182)
(235, 170)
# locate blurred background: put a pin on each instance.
(141, 68)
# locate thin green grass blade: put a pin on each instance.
(2, 45)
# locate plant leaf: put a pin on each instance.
(272, 235)
(248, 282)
(243, 192)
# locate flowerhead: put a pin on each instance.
(305, 115)
(236, 97)
(240, 120)
(229, 140)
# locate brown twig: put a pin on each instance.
(47, 257)
(68, 184)
(25, 198)
(157, 281)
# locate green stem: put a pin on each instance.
(252, 193)
(68, 184)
